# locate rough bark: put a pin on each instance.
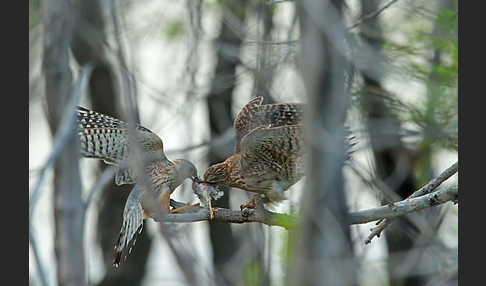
(68, 204)
(88, 47)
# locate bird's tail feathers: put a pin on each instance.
(131, 225)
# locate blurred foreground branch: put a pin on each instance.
(67, 202)
(64, 134)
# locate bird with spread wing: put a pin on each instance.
(110, 139)
(269, 152)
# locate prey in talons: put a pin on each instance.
(206, 192)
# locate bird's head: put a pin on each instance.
(185, 170)
(216, 174)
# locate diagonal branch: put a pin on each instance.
(66, 130)
(436, 182)
(406, 206)
(429, 187)
(371, 15)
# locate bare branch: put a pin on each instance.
(376, 231)
(436, 182)
(271, 43)
(406, 206)
(233, 216)
(361, 20)
(67, 128)
(271, 2)
(261, 215)
(371, 15)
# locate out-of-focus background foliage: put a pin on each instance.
(190, 66)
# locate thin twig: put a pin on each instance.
(271, 2)
(371, 15)
(272, 43)
(429, 187)
(436, 182)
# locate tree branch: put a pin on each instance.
(199, 213)
(261, 215)
(371, 15)
(65, 131)
(430, 186)
(406, 206)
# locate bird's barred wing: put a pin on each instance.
(105, 137)
(254, 115)
(280, 114)
(246, 115)
(281, 148)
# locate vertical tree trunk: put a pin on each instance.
(323, 252)
(68, 204)
(88, 47)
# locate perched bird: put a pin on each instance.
(107, 138)
(269, 152)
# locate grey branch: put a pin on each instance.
(286, 221)
(271, 2)
(66, 130)
(435, 182)
(260, 215)
(406, 206)
(371, 15)
(429, 187)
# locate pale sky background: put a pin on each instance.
(160, 64)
